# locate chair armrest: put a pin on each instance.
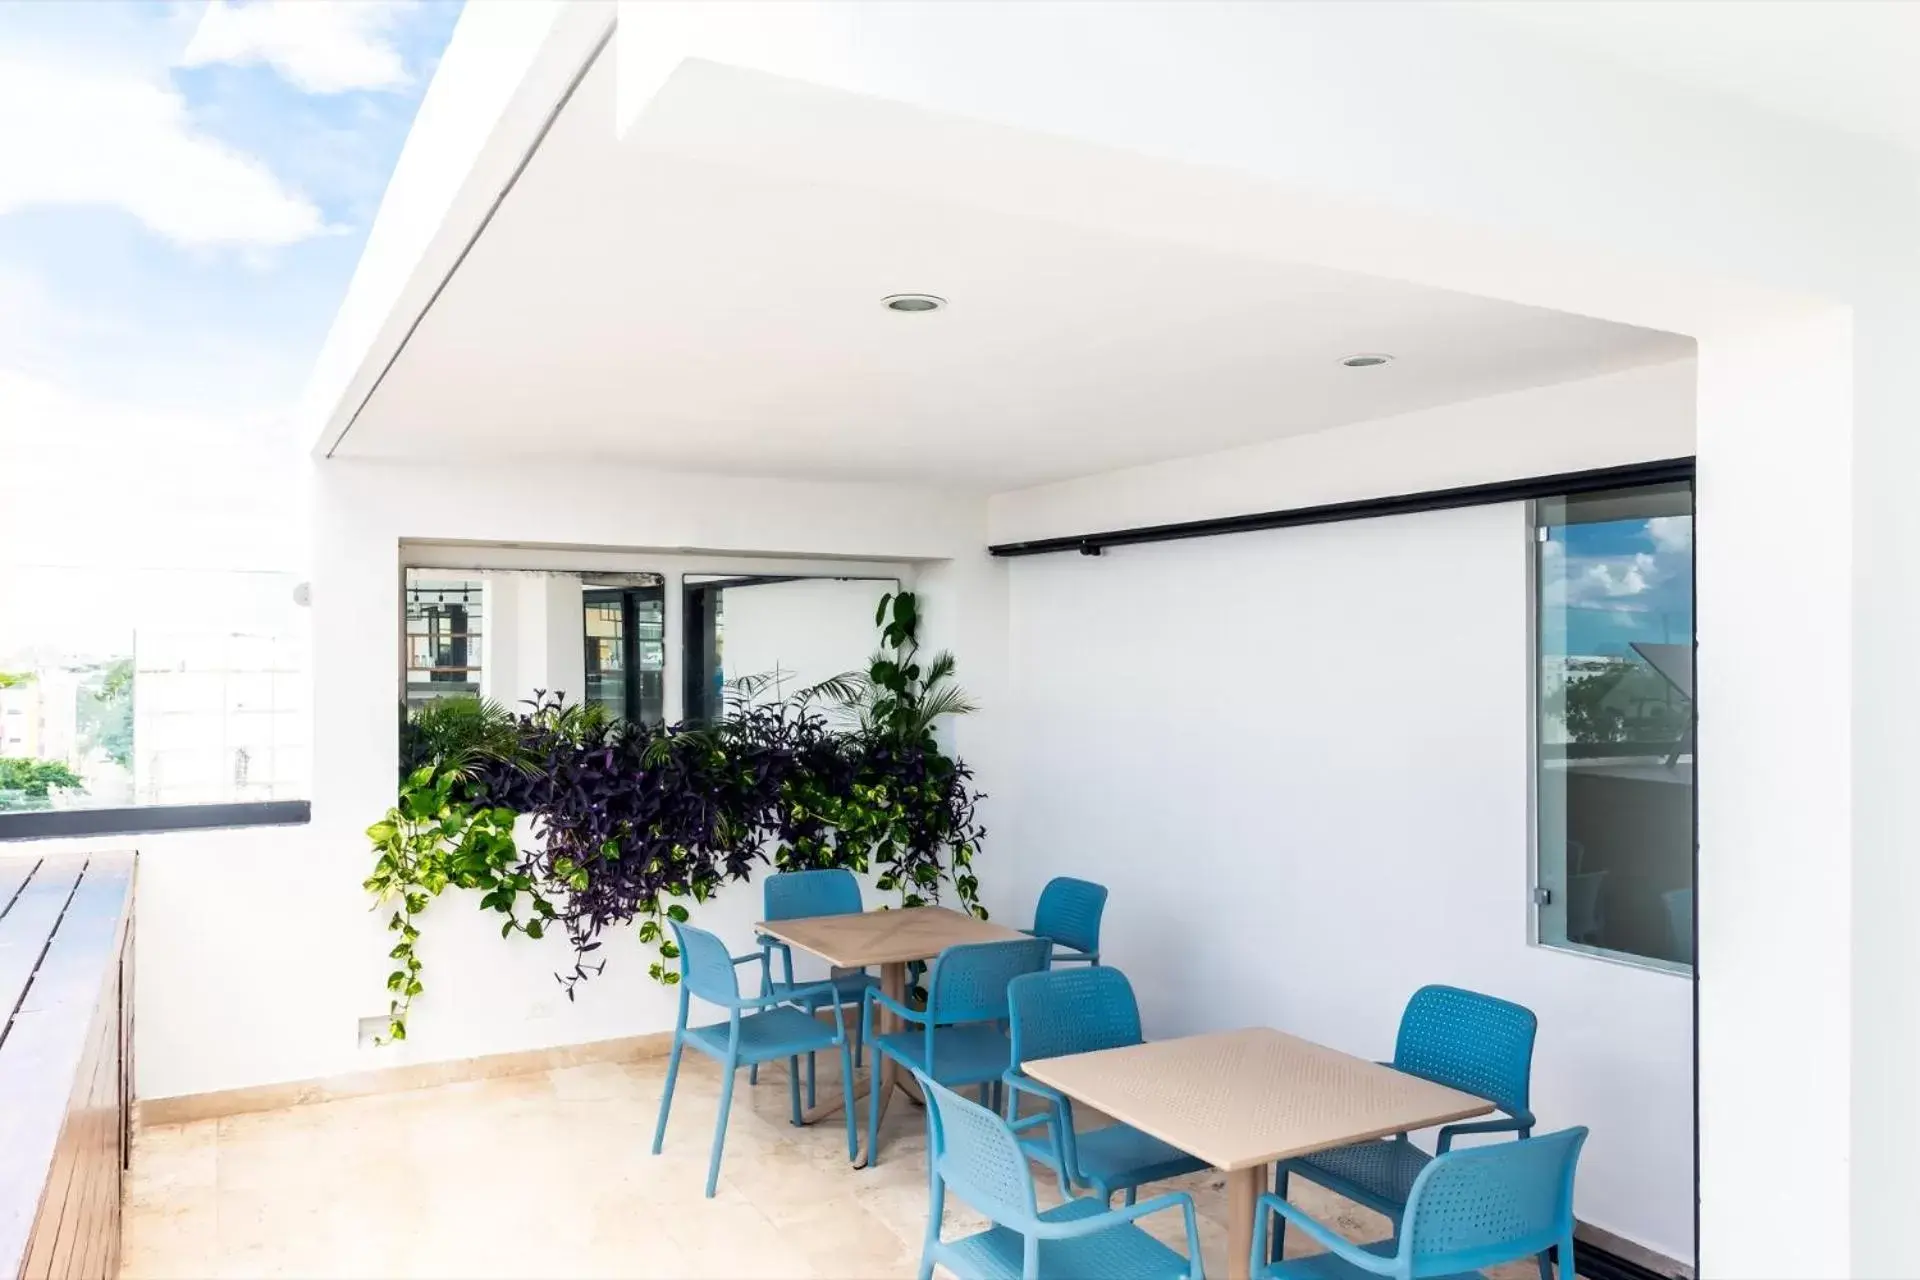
(876, 996)
(790, 996)
(752, 957)
(1114, 1217)
(1334, 1242)
(1519, 1123)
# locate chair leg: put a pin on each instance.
(810, 1094)
(1278, 1247)
(985, 1096)
(873, 1112)
(1133, 1193)
(666, 1096)
(859, 1041)
(846, 1090)
(936, 1210)
(731, 1068)
(793, 1085)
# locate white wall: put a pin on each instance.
(1322, 738)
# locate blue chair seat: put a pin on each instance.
(1123, 1253)
(1117, 1157)
(850, 987)
(976, 1053)
(781, 1032)
(1373, 1173)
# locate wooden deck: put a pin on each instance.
(66, 1023)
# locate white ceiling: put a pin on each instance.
(629, 304)
(1851, 64)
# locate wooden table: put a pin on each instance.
(1240, 1100)
(891, 940)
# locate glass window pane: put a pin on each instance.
(151, 687)
(1614, 772)
(773, 636)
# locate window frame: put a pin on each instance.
(1535, 908)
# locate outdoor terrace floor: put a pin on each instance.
(549, 1174)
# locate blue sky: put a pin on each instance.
(1621, 581)
(188, 187)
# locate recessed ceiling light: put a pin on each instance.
(913, 302)
(1366, 361)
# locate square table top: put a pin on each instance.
(885, 937)
(1238, 1099)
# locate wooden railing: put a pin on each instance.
(66, 1057)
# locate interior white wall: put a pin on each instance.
(1322, 734)
(1639, 415)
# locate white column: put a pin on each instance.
(1774, 544)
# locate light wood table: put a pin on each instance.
(1240, 1100)
(891, 940)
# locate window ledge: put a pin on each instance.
(53, 824)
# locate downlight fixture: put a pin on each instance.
(1367, 360)
(913, 302)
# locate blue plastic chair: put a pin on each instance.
(1468, 1209)
(1462, 1039)
(962, 1038)
(1069, 912)
(799, 895)
(973, 1151)
(758, 1029)
(1078, 1011)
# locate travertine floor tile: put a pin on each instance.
(549, 1175)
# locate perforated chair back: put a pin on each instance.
(1069, 912)
(969, 982)
(1066, 1011)
(1481, 1206)
(798, 895)
(706, 967)
(976, 1154)
(1471, 1042)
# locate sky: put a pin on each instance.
(185, 189)
(1621, 582)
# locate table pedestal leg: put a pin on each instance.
(1243, 1196)
(884, 1071)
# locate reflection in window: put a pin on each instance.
(126, 688)
(1614, 722)
(443, 635)
(626, 659)
(794, 632)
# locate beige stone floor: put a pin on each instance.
(549, 1175)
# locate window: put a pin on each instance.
(126, 690)
(443, 635)
(626, 658)
(785, 633)
(1614, 715)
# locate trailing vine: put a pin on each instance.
(631, 822)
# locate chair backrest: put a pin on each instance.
(1075, 1010)
(968, 983)
(976, 1154)
(1069, 912)
(1480, 1206)
(1471, 1042)
(796, 895)
(706, 966)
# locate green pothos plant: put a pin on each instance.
(433, 837)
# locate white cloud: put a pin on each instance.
(70, 137)
(1671, 533)
(1611, 579)
(319, 47)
